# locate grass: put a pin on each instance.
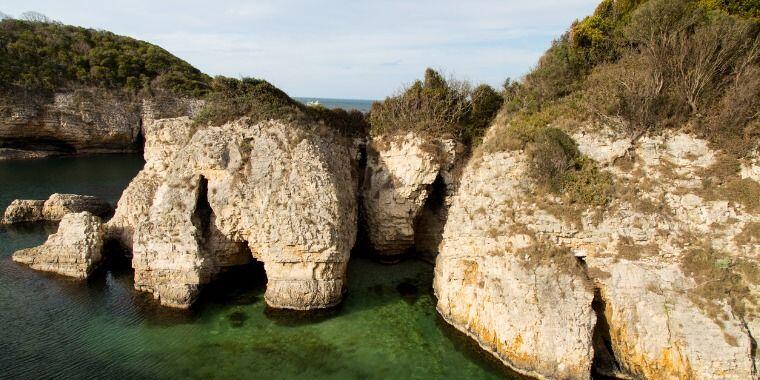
(721, 182)
(555, 162)
(720, 278)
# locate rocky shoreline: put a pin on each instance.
(289, 195)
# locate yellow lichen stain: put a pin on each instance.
(671, 363)
(470, 272)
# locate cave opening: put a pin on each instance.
(604, 364)
(234, 276)
(428, 226)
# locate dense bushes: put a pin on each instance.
(230, 99)
(655, 64)
(45, 56)
(439, 107)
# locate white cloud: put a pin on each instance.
(335, 48)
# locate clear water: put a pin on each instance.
(51, 327)
(347, 104)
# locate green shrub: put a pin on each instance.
(438, 107)
(231, 99)
(46, 56)
(555, 162)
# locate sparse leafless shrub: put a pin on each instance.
(4, 16)
(35, 17)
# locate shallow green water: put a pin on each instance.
(386, 328)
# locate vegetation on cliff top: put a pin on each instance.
(230, 99)
(652, 65)
(42, 55)
(437, 106)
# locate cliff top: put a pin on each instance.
(48, 56)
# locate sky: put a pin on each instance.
(337, 49)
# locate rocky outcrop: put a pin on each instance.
(24, 210)
(400, 176)
(493, 284)
(84, 120)
(54, 208)
(59, 205)
(285, 191)
(74, 251)
(163, 138)
(80, 121)
(670, 265)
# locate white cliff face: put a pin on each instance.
(163, 138)
(400, 173)
(665, 320)
(74, 251)
(538, 319)
(288, 193)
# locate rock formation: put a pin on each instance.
(284, 190)
(74, 251)
(23, 210)
(670, 266)
(54, 208)
(400, 176)
(82, 121)
(163, 138)
(79, 121)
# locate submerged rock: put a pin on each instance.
(399, 178)
(285, 191)
(74, 251)
(54, 208)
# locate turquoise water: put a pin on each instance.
(386, 328)
(347, 104)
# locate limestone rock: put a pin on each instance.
(536, 317)
(74, 251)
(23, 210)
(54, 208)
(656, 315)
(286, 191)
(59, 205)
(400, 174)
(82, 120)
(163, 138)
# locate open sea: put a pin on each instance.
(346, 104)
(53, 327)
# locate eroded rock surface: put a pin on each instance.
(399, 178)
(492, 284)
(83, 120)
(287, 192)
(163, 138)
(54, 208)
(674, 265)
(23, 210)
(74, 250)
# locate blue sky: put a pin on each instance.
(339, 49)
